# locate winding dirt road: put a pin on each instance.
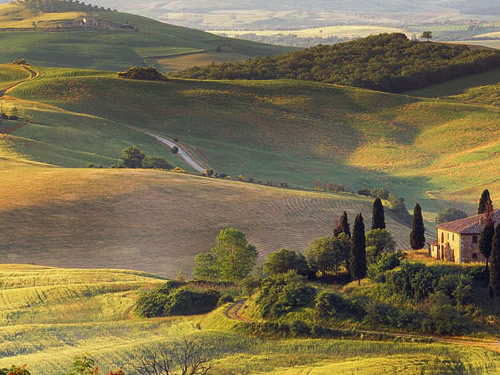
(182, 152)
(33, 74)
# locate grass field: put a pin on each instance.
(50, 315)
(296, 132)
(153, 221)
(493, 43)
(104, 49)
(325, 32)
(458, 86)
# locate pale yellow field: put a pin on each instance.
(338, 31)
(12, 16)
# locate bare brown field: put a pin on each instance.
(153, 221)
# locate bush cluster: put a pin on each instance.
(386, 62)
(176, 299)
(282, 293)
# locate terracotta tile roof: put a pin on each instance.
(469, 225)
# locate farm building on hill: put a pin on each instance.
(458, 241)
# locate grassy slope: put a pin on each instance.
(153, 221)
(112, 50)
(459, 85)
(48, 316)
(298, 131)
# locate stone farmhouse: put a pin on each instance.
(458, 241)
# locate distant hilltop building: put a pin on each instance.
(458, 241)
(95, 23)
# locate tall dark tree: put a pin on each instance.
(417, 235)
(378, 218)
(485, 203)
(358, 250)
(495, 263)
(486, 239)
(132, 157)
(342, 226)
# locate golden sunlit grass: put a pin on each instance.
(15, 16)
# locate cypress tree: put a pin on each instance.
(378, 218)
(342, 226)
(485, 203)
(417, 235)
(486, 239)
(358, 250)
(495, 263)
(346, 228)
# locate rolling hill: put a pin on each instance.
(52, 35)
(153, 221)
(425, 150)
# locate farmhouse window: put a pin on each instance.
(474, 239)
(474, 256)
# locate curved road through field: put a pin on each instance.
(182, 152)
(33, 74)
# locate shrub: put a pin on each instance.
(175, 150)
(151, 162)
(152, 303)
(299, 329)
(15, 370)
(329, 304)
(225, 298)
(282, 293)
(384, 263)
(186, 301)
(132, 157)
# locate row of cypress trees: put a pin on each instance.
(358, 264)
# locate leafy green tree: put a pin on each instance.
(417, 235)
(495, 263)
(485, 203)
(132, 157)
(284, 260)
(358, 250)
(326, 254)
(427, 35)
(379, 241)
(232, 259)
(378, 218)
(450, 214)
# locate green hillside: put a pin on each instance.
(386, 62)
(284, 131)
(50, 37)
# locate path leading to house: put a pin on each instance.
(183, 154)
(234, 312)
(33, 74)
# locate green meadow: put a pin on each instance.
(50, 315)
(285, 131)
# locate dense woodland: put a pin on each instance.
(387, 62)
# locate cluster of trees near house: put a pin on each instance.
(386, 62)
(406, 295)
